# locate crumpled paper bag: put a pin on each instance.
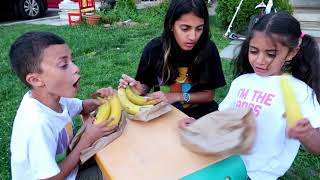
(152, 112)
(100, 143)
(223, 133)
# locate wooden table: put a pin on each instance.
(151, 151)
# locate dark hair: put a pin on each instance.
(304, 66)
(176, 9)
(26, 52)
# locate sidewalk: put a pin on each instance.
(231, 51)
(212, 9)
(51, 18)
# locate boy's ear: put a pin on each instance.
(293, 53)
(34, 80)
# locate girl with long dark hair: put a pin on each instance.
(183, 65)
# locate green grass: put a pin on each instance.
(103, 55)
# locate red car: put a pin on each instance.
(53, 3)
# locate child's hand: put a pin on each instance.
(126, 81)
(105, 92)
(89, 105)
(301, 130)
(93, 132)
(185, 122)
(161, 96)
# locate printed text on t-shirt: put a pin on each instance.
(255, 99)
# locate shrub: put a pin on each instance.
(126, 9)
(226, 9)
(123, 10)
(154, 14)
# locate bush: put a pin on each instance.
(123, 10)
(226, 9)
(126, 9)
(154, 14)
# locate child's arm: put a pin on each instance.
(92, 133)
(203, 96)
(307, 135)
(90, 105)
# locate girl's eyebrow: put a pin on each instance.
(201, 25)
(185, 26)
(250, 46)
(268, 50)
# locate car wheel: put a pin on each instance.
(30, 9)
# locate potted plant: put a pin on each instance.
(93, 19)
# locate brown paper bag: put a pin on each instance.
(152, 112)
(221, 133)
(100, 143)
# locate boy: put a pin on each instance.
(43, 127)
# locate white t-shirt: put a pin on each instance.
(40, 138)
(273, 152)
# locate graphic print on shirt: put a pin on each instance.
(182, 75)
(65, 137)
(182, 85)
(254, 99)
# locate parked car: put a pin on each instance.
(53, 3)
(26, 9)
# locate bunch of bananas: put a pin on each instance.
(131, 102)
(111, 107)
(293, 112)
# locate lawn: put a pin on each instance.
(103, 55)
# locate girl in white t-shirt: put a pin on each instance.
(276, 45)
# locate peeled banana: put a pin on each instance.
(126, 104)
(137, 99)
(103, 112)
(115, 110)
(293, 112)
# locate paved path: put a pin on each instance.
(212, 9)
(51, 18)
(231, 51)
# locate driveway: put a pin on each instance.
(51, 18)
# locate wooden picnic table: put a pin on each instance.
(151, 151)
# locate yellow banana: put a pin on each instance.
(137, 99)
(103, 112)
(126, 104)
(115, 110)
(293, 112)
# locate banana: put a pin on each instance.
(137, 99)
(115, 110)
(293, 112)
(126, 104)
(103, 112)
